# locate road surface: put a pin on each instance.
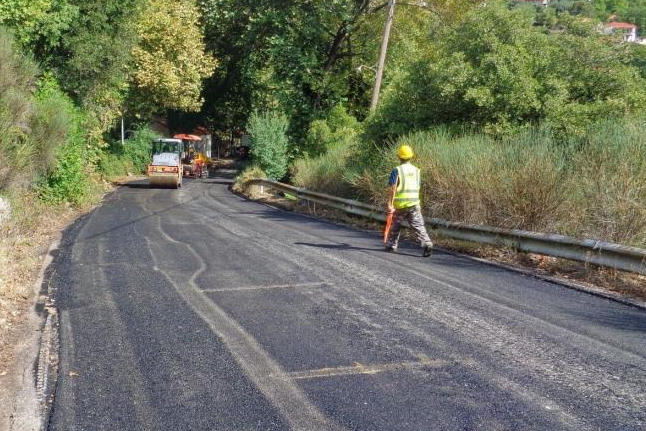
(198, 310)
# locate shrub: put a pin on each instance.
(41, 138)
(269, 143)
(138, 149)
(249, 173)
(130, 158)
(339, 128)
(60, 131)
(17, 78)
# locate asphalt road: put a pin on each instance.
(198, 310)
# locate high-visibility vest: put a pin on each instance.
(408, 185)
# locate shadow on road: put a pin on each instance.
(139, 184)
(345, 246)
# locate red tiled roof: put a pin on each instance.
(621, 25)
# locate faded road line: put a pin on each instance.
(268, 287)
(362, 369)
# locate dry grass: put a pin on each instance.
(24, 240)
(241, 185)
(594, 187)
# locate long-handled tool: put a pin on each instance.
(389, 222)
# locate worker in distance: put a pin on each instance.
(404, 202)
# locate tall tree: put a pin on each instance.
(169, 58)
(301, 56)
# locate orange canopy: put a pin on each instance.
(184, 137)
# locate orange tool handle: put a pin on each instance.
(389, 222)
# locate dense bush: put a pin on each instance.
(325, 172)
(39, 129)
(338, 129)
(331, 142)
(269, 142)
(496, 71)
(130, 158)
(68, 179)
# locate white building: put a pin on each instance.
(628, 30)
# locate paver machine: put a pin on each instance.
(194, 161)
(166, 167)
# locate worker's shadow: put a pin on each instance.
(345, 246)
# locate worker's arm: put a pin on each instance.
(391, 198)
(393, 181)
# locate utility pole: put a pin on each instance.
(382, 55)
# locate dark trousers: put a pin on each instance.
(413, 215)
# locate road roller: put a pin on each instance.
(166, 168)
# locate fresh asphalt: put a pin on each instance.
(196, 309)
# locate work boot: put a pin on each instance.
(428, 249)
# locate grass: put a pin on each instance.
(593, 187)
(250, 172)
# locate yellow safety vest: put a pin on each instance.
(408, 185)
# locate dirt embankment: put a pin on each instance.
(25, 237)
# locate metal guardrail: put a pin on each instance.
(600, 253)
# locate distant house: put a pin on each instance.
(543, 3)
(628, 30)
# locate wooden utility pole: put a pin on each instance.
(382, 55)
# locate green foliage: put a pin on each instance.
(302, 56)
(32, 126)
(169, 60)
(635, 13)
(138, 149)
(269, 142)
(131, 158)
(498, 72)
(591, 187)
(331, 142)
(68, 179)
(327, 171)
(339, 129)
(38, 24)
(94, 54)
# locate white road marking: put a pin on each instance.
(267, 287)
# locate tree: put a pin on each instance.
(38, 24)
(636, 14)
(302, 56)
(497, 71)
(169, 58)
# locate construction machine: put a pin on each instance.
(195, 161)
(166, 167)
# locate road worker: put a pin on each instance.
(404, 202)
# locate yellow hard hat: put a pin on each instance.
(405, 152)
